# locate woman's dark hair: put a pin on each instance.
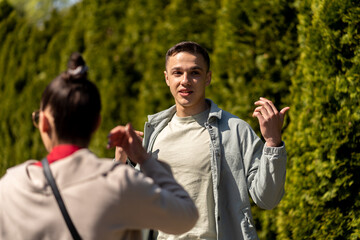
(74, 102)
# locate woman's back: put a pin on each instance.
(105, 200)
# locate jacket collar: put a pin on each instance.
(78, 167)
(166, 114)
(215, 111)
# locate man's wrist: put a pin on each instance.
(271, 144)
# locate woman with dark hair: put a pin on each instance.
(97, 193)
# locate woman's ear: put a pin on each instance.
(46, 131)
(44, 124)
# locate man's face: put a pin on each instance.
(187, 76)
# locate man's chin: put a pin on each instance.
(184, 103)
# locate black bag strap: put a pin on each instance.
(59, 200)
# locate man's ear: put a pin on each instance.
(166, 78)
(208, 78)
(98, 123)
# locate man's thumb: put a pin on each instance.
(284, 110)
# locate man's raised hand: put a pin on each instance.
(270, 121)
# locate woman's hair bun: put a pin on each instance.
(76, 66)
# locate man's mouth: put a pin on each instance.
(185, 92)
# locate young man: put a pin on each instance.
(213, 154)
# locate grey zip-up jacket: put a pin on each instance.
(240, 164)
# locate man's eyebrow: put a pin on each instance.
(196, 68)
(192, 68)
(175, 68)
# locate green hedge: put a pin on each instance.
(302, 54)
(323, 138)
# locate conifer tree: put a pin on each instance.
(13, 81)
(322, 198)
(255, 49)
(139, 21)
(254, 56)
(258, 48)
(181, 21)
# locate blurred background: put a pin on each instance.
(299, 53)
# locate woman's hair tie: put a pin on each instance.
(80, 70)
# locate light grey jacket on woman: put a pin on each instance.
(99, 196)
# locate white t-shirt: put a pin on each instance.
(185, 145)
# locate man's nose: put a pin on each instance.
(185, 79)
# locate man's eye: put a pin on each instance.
(177, 73)
(195, 73)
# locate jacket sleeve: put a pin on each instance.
(266, 171)
(160, 202)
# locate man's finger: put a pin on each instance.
(258, 109)
(269, 105)
(264, 99)
(258, 115)
(284, 110)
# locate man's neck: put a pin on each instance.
(190, 111)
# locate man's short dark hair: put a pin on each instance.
(190, 47)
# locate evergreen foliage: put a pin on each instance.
(37, 11)
(180, 21)
(323, 138)
(254, 54)
(303, 54)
